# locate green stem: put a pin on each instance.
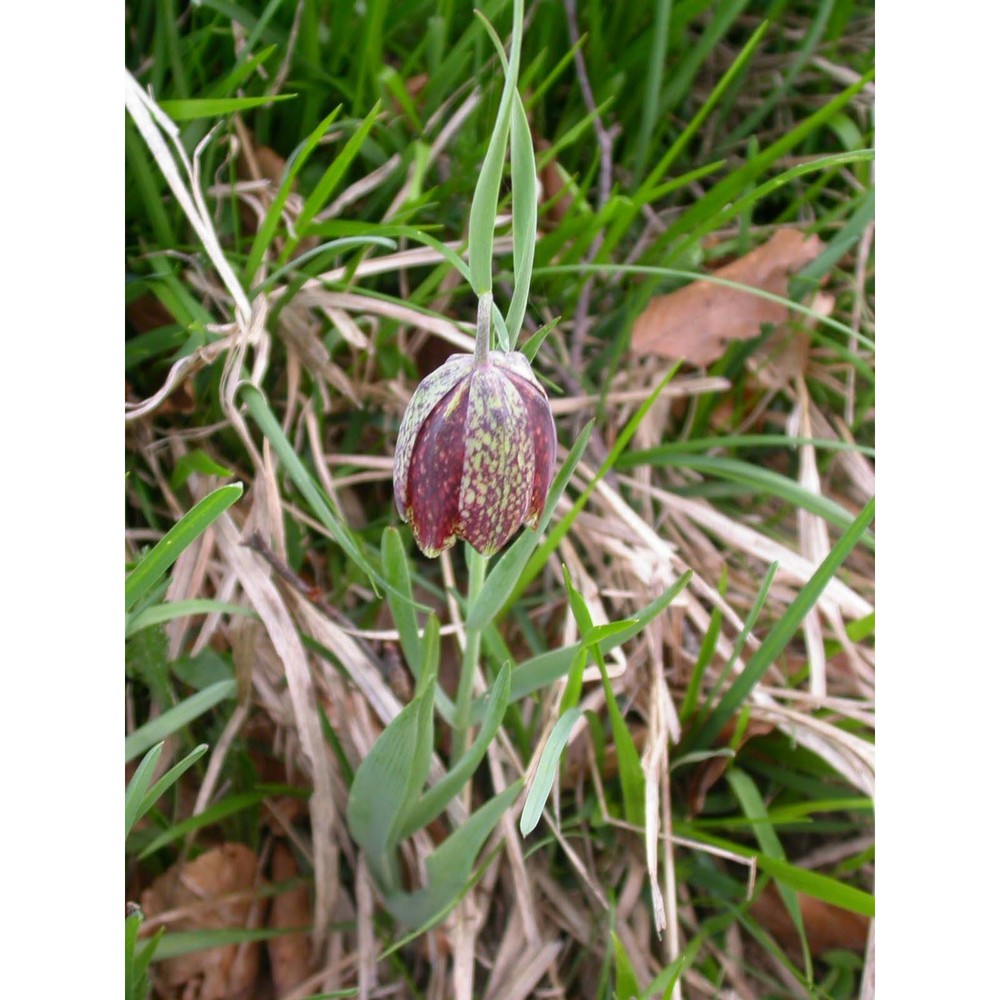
(484, 322)
(470, 660)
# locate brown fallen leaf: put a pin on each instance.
(708, 772)
(827, 927)
(698, 321)
(289, 954)
(216, 890)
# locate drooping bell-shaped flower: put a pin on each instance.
(476, 452)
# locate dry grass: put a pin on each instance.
(532, 926)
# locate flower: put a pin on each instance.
(476, 453)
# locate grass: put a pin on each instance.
(690, 632)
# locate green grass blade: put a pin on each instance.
(396, 568)
(389, 780)
(321, 507)
(170, 778)
(626, 983)
(705, 654)
(523, 179)
(267, 229)
(548, 770)
(783, 630)
(756, 812)
(160, 613)
(217, 107)
(332, 176)
(137, 788)
(542, 670)
(740, 642)
(654, 80)
(482, 214)
(213, 814)
(176, 718)
(155, 563)
(629, 769)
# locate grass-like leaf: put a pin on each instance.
(436, 798)
(540, 671)
(332, 176)
(756, 812)
(547, 771)
(155, 563)
(157, 614)
(317, 500)
(136, 807)
(783, 630)
(482, 214)
(229, 806)
(191, 108)
(396, 568)
(269, 227)
(449, 866)
(135, 793)
(629, 768)
(389, 780)
(176, 718)
(525, 215)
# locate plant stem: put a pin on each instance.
(484, 323)
(470, 659)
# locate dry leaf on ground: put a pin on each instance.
(827, 927)
(289, 953)
(226, 973)
(698, 321)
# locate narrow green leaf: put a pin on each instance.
(756, 812)
(268, 228)
(449, 866)
(213, 814)
(626, 983)
(548, 770)
(387, 782)
(784, 629)
(524, 198)
(705, 654)
(297, 265)
(482, 214)
(155, 563)
(216, 107)
(258, 407)
(170, 778)
(332, 176)
(135, 793)
(748, 624)
(540, 671)
(821, 887)
(629, 768)
(160, 613)
(574, 680)
(433, 802)
(396, 568)
(507, 569)
(189, 942)
(176, 718)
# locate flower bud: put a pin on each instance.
(476, 453)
